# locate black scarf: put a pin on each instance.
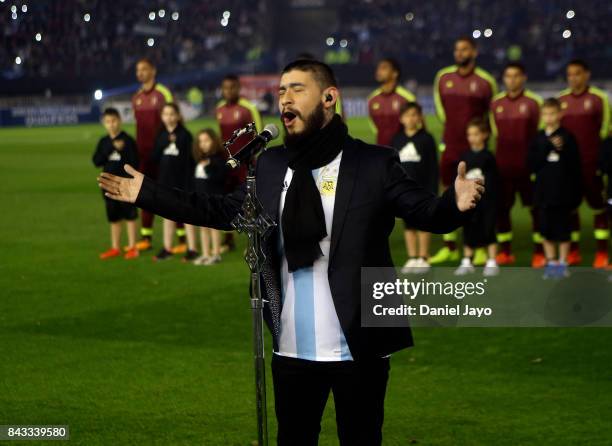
(303, 219)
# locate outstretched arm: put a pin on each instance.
(213, 211)
(423, 209)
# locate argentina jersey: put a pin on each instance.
(310, 328)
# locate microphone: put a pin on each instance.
(269, 133)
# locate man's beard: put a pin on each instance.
(465, 62)
(312, 124)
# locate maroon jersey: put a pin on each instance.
(234, 116)
(587, 117)
(147, 106)
(384, 111)
(231, 117)
(458, 99)
(514, 121)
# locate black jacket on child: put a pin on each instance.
(481, 164)
(112, 153)
(558, 175)
(479, 230)
(419, 157)
(210, 179)
(173, 152)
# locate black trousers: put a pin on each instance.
(301, 389)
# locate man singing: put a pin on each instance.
(335, 199)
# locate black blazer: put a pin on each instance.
(372, 190)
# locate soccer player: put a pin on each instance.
(515, 117)
(586, 114)
(385, 102)
(113, 151)
(479, 231)
(462, 92)
(234, 112)
(209, 178)
(174, 153)
(555, 160)
(147, 104)
(419, 157)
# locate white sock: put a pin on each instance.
(491, 263)
(466, 261)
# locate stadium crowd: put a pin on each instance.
(71, 38)
(522, 29)
(78, 38)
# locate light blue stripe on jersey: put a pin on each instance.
(305, 340)
(345, 353)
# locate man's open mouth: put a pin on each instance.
(288, 118)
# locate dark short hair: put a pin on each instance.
(409, 106)
(231, 77)
(480, 123)
(552, 103)
(468, 39)
(580, 63)
(395, 65)
(322, 72)
(147, 61)
(111, 111)
(516, 65)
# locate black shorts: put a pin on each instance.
(510, 186)
(119, 210)
(480, 230)
(555, 223)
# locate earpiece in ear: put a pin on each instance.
(329, 97)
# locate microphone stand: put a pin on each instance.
(253, 221)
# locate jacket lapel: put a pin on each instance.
(346, 180)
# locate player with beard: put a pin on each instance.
(586, 114)
(234, 112)
(515, 116)
(335, 199)
(385, 103)
(462, 92)
(147, 104)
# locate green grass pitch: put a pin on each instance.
(138, 353)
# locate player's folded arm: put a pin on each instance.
(199, 209)
(418, 206)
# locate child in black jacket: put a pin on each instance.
(555, 160)
(173, 152)
(112, 152)
(419, 157)
(479, 231)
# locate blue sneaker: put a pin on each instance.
(562, 270)
(550, 270)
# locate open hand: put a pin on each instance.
(467, 192)
(120, 188)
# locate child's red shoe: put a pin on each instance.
(113, 252)
(131, 253)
